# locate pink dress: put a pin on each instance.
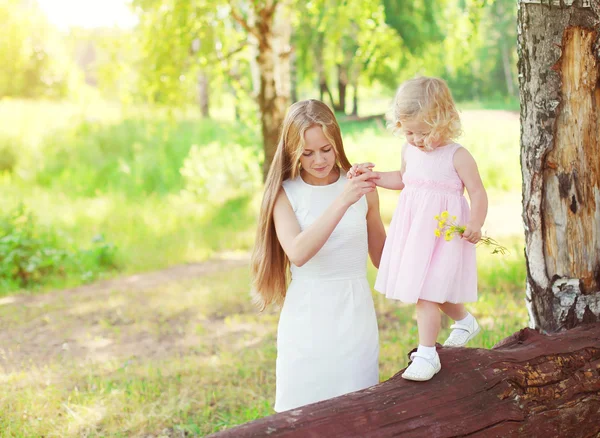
(416, 264)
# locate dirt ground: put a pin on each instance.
(122, 317)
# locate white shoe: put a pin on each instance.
(422, 367)
(461, 334)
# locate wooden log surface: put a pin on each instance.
(528, 385)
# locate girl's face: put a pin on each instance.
(318, 157)
(416, 131)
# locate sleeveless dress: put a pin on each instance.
(416, 264)
(327, 338)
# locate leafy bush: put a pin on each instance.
(215, 173)
(31, 254)
(8, 156)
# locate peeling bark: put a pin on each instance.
(559, 73)
(529, 385)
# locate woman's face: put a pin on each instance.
(318, 157)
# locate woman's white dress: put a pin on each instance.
(327, 340)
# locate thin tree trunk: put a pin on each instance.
(505, 53)
(354, 77)
(203, 94)
(508, 76)
(321, 73)
(294, 76)
(342, 85)
(282, 34)
(560, 160)
(234, 74)
(355, 99)
(273, 96)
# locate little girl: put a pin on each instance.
(416, 266)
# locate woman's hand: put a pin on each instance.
(472, 233)
(359, 186)
(358, 169)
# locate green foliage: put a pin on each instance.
(416, 22)
(31, 253)
(33, 56)
(215, 174)
(133, 157)
(8, 154)
(180, 40)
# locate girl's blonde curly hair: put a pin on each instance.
(427, 99)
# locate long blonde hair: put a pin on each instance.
(430, 100)
(269, 263)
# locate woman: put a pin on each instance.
(319, 226)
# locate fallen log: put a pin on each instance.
(528, 385)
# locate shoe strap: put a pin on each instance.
(423, 356)
(462, 327)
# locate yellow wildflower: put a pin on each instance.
(453, 218)
(437, 217)
(437, 232)
(448, 236)
(441, 224)
(444, 214)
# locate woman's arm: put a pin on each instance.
(375, 229)
(300, 246)
(466, 167)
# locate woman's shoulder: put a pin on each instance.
(290, 189)
(290, 182)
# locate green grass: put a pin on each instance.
(195, 355)
(188, 355)
(95, 168)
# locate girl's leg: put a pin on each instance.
(429, 322)
(454, 311)
(425, 362)
(465, 327)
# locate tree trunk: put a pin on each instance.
(321, 73)
(294, 76)
(560, 160)
(355, 99)
(354, 78)
(529, 385)
(342, 85)
(508, 75)
(282, 34)
(272, 69)
(271, 38)
(203, 94)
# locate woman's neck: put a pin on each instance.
(333, 176)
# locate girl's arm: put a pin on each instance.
(466, 167)
(390, 180)
(375, 229)
(300, 246)
(387, 180)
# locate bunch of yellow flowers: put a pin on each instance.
(447, 226)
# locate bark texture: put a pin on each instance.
(269, 25)
(529, 385)
(558, 45)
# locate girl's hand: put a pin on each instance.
(358, 169)
(358, 186)
(472, 233)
